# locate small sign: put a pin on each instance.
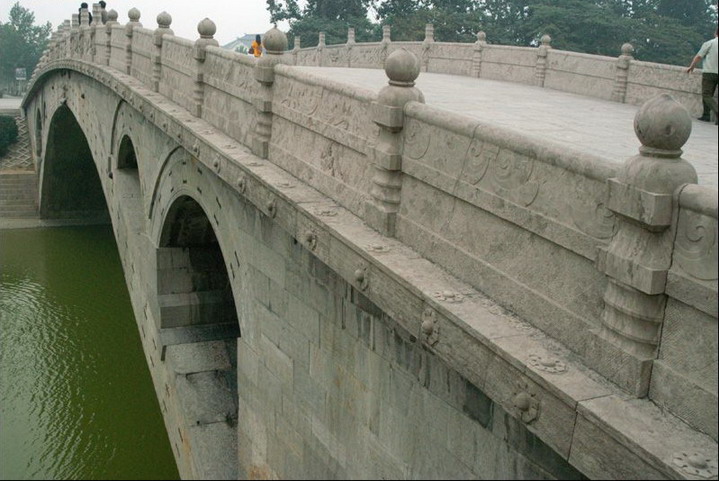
(20, 74)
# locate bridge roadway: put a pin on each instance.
(595, 126)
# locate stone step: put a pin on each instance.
(18, 213)
(17, 190)
(195, 308)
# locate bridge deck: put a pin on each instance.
(596, 126)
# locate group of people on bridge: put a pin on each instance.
(103, 11)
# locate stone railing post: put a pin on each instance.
(402, 68)
(386, 40)
(96, 15)
(619, 93)
(540, 72)
(350, 45)
(83, 32)
(72, 36)
(296, 49)
(321, 50)
(134, 16)
(275, 43)
(427, 45)
(477, 54)
(638, 258)
(206, 28)
(164, 20)
(111, 20)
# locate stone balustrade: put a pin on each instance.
(619, 268)
(621, 78)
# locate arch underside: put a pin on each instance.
(71, 186)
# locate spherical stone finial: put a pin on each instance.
(627, 49)
(402, 67)
(275, 40)
(112, 15)
(164, 20)
(663, 124)
(206, 28)
(482, 36)
(546, 40)
(134, 15)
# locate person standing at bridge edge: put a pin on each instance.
(710, 75)
(256, 48)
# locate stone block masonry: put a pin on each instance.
(318, 293)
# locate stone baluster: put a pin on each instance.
(402, 68)
(479, 46)
(134, 16)
(540, 72)
(350, 45)
(321, 50)
(637, 260)
(427, 45)
(164, 20)
(84, 32)
(93, 30)
(111, 20)
(206, 28)
(74, 35)
(619, 93)
(296, 49)
(275, 43)
(386, 40)
(84, 17)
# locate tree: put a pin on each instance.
(664, 31)
(330, 16)
(21, 43)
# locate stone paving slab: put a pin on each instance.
(599, 127)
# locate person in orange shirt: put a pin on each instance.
(256, 48)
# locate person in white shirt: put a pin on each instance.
(710, 75)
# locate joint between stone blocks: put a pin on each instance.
(647, 280)
(265, 74)
(380, 219)
(652, 210)
(387, 116)
(387, 160)
(262, 105)
(260, 148)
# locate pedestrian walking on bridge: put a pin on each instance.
(710, 76)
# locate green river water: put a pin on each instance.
(76, 398)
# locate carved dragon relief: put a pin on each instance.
(695, 248)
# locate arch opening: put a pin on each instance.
(126, 157)
(198, 332)
(71, 186)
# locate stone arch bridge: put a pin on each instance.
(331, 282)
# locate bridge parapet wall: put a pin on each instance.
(520, 220)
(583, 74)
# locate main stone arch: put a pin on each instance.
(70, 184)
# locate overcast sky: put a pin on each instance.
(233, 17)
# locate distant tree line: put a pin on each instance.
(21, 43)
(664, 31)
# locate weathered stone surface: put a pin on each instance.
(362, 354)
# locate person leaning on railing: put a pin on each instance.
(710, 76)
(256, 48)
